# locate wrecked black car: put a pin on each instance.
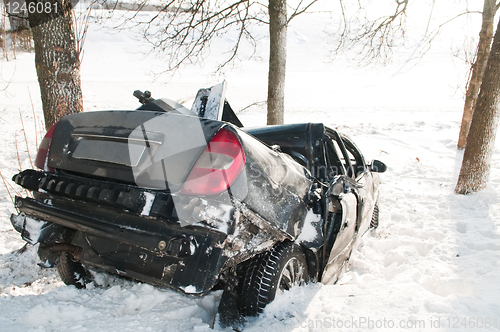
(190, 199)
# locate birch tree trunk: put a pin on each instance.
(277, 62)
(57, 60)
(474, 173)
(483, 51)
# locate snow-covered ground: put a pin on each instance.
(432, 265)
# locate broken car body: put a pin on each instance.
(191, 200)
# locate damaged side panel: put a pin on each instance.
(277, 186)
(251, 236)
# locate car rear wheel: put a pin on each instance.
(269, 273)
(375, 216)
(73, 273)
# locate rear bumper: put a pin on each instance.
(188, 259)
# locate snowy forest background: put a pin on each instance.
(434, 262)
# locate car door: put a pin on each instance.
(341, 208)
(363, 184)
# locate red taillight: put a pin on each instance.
(42, 156)
(217, 167)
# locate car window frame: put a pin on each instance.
(329, 148)
(360, 167)
(335, 136)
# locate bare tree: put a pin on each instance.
(56, 58)
(474, 173)
(372, 39)
(483, 50)
(375, 40)
(277, 62)
(182, 31)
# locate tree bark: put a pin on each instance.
(277, 62)
(474, 173)
(57, 60)
(483, 51)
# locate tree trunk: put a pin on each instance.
(483, 51)
(57, 60)
(277, 62)
(475, 170)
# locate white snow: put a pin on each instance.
(190, 289)
(150, 198)
(433, 264)
(34, 228)
(309, 232)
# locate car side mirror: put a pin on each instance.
(378, 166)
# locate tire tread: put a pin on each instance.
(260, 280)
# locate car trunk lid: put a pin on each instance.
(149, 149)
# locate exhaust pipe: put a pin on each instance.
(74, 251)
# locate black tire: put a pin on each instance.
(73, 273)
(277, 269)
(375, 216)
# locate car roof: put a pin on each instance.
(298, 140)
(289, 135)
